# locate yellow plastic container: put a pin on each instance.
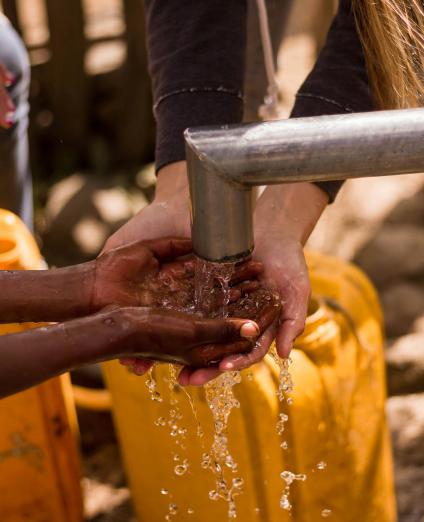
(39, 462)
(337, 417)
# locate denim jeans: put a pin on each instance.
(15, 174)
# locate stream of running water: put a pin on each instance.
(211, 279)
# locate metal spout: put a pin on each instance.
(225, 162)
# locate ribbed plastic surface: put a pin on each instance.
(39, 463)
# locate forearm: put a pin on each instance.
(288, 211)
(46, 296)
(28, 358)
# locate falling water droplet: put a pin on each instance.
(180, 469)
(213, 495)
(160, 422)
(285, 503)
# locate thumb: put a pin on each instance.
(225, 330)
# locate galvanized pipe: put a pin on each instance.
(225, 162)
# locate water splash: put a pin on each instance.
(221, 401)
(172, 511)
(289, 478)
(207, 274)
(180, 469)
(285, 388)
(152, 386)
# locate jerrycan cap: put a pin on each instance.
(9, 252)
(18, 249)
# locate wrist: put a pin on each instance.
(288, 212)
(77, 283)
(172, 183)
(99, 337)
(128, 322)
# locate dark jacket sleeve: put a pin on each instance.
(196, 59)
(338, 83)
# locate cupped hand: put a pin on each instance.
(284, 218)
(184, 338)
(121, 275)
(259, 305)
(7, 107)
(285, 270)
(161, 273)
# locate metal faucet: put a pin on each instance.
(225, 162)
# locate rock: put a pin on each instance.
(402, 303)
(405, 365)
(409, 490)
(406, 419)
(418, 325)
(394, 253)
(409, 211)
(101, 498)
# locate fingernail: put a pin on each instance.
(249, 330)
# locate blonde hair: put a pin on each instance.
(392, 34)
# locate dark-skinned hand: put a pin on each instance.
(170, 285)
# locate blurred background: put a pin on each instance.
(92, 143)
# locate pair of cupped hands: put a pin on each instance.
(154, 282)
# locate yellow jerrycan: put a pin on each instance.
(39, 462)
(335, 439)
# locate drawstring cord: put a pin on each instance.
(269, 109)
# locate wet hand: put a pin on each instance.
(293, 211)
(285, 270)
(160, 273)
(259, 305)
(122, 275)
(183, 338)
